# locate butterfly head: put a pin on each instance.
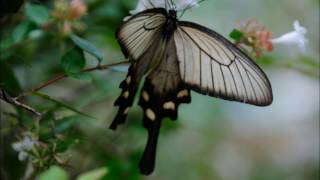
(172, 14)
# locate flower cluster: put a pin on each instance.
(259, 39)
(253, 35)
(68, 14)
(23, 147)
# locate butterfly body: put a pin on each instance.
(176, 57)
(171, 24)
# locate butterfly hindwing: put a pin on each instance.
(161, 95)
(129, 88)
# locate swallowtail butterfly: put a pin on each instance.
(177, 57)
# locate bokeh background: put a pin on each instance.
(212, 139)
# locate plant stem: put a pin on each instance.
(63, 76)
(14, 101)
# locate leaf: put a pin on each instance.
(236, 35)
(65, 144)
(44, 96)
(20, 31)
(94, 174)
(54, 173)
(37, 13)
(73, 62)
(87, 46)
(8, 7)
(64, 124)
(310, 62)
(83, 76)
(8, 80)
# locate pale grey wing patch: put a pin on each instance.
(211, 65)
(138, 33)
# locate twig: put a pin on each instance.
(14, 101)
(63, 76)
(7, 98)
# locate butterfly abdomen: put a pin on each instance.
(162, 93)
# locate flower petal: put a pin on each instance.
(298, 28)
(22, 156)
(17, 146)
(296, 37)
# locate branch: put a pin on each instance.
(63, 76)
(14, 101)
(7, 98)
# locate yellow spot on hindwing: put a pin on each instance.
(150, 114)
(182, 93)
(128, 80)
(126, 94)
(145, 96)
(169, 105)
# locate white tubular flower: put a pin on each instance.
(296, 37)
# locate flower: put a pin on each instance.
(77, 9)
(296, 37)
(254, 36)
(67, 15)
(23, 146)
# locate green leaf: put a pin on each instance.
(20, 32)
(6, 42)
(44, 96)
(266, 60)
(87, 47)
(37, 13)
(96, 174)
(9, 7)
(54, 173)
(236, 34)
(65, 144)
(8, 80)
(64, 124)
(73, 62)
(83, 76)
(310, 62)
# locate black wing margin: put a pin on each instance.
(212, 65)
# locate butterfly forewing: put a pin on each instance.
(139, 32)
(212, 65)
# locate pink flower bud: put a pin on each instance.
(77, 9)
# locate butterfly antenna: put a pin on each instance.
(150, 2)
(172, 5)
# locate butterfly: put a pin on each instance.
(173, 57)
